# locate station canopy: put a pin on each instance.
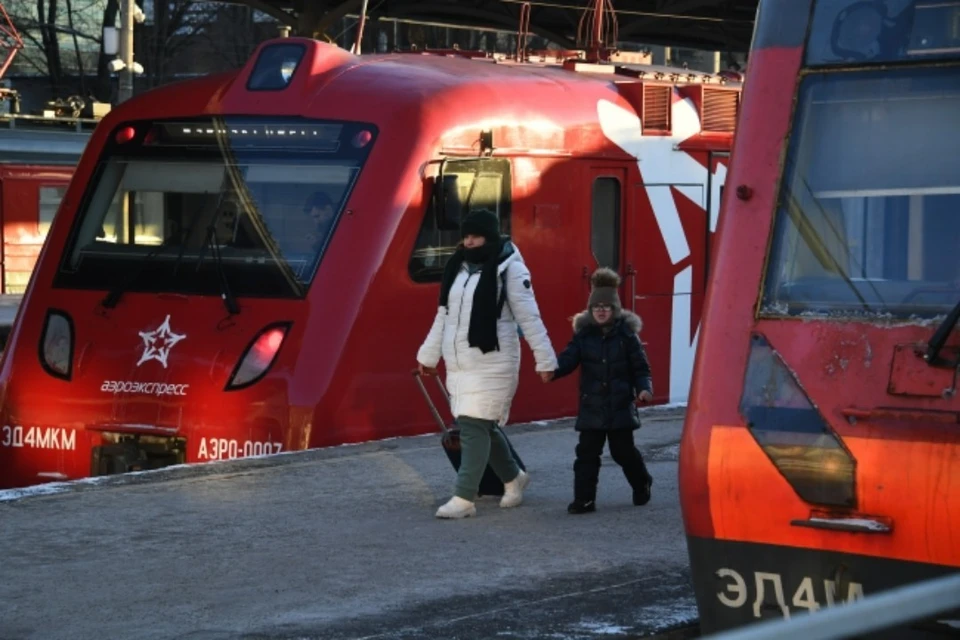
(724, 25)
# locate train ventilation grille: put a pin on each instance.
(657, 101)
(720, 109)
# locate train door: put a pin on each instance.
(665, 264)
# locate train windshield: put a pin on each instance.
(181, 206)
(854, 32)
(868, 220)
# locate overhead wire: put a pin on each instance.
(630, 12)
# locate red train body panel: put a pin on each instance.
(819, 454)
(126, 344)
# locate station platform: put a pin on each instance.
(342, 543)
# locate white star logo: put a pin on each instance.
(157, 343)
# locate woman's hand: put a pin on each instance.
(426, 371)
(645, 396)
(546, 376)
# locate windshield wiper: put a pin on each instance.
(228, 298)
(237, 180)
(113, 296)
(940, 336)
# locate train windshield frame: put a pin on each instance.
(180, 206)
(868, 217)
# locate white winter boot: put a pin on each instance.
(457, 507)
(513, 490)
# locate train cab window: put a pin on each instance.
(605, 222)
(868, 219)
(184, 210)
(49, 202)
(470, 184)
(857, 32)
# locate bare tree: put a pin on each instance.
(103, 88)
(60, 38)
(234, 35)
(161, 41)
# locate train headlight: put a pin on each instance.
(275, 67)
(793, 434)
(258, 356)
(56, 344)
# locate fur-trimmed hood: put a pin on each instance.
(585, 319)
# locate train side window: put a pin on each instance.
(481, 183)
(605, 222)
(50, 198)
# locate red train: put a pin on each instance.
(36, 163)
(245, 264)
(819, 458)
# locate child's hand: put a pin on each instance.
(546, 376)
(645, 396)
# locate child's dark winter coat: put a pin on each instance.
(614, 370)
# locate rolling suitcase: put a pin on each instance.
(490, 484)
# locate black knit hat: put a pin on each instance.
(604, 283)
(481, 222)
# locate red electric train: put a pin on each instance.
(36, 163)
(820, 458)
(245, 264)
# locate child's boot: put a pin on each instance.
(585, 477)
(582, 506)
(641, 493)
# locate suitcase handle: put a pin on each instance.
(443, 389)
(426, 395)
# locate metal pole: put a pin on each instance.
(125, 91)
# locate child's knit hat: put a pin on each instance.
(605, 282)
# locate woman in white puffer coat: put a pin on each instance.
(480, 344)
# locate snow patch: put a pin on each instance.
(670, 406)
(36, 490)
(675, 613)
(603, 628)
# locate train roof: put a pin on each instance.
(408, 79)
(537, 106)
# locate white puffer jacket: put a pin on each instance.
(482, 385)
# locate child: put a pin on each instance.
(614, 374)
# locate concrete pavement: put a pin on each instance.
(342, 543)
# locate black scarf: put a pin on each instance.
(483, 316)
